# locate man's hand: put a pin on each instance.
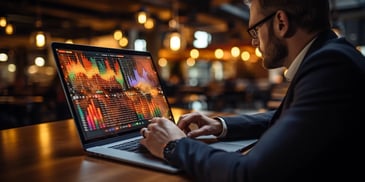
(158, 133)
(205, 125)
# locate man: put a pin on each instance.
(315, 134)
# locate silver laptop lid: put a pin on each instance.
(110, 92)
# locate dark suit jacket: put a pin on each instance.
(315, 135)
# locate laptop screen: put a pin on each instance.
(110, 91)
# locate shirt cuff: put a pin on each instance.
(224, 127)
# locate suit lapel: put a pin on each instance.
(321, 39)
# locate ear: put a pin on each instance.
(281, 24)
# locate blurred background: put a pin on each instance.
(201, 48)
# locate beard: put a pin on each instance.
(275, 52)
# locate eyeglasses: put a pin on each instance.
(253, 29)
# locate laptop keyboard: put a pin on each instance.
(132, 146)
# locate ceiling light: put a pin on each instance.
(40, 39)
(3, 21)
(162, 62)
(149, 24)
(3, 57)
(245, 56)
(218, 53)
(190, 62)
(123, 42)
(175, 41)
(142, 16)
(11, 68)
(9, 29)
(194, 53)
(258, 52)
(39, 61)
(235, 51)
(118, 34)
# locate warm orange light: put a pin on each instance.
(190, 62)
(162, 62)
(150, 23)
(9, 29)
(123, 42)
(194, 53)
(258, 53)
(245, 56)
(4, 57)
(142, 17)
(235, 51)
(118, 34)
(218, 53)
(3, 21)
(175, 41)
(40, 39)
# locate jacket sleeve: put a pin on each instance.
(247, 126)
(201, 161)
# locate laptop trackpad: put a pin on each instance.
(229, 146)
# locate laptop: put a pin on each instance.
(111, 94)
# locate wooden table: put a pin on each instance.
(52, 152)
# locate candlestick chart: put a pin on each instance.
(110, 93)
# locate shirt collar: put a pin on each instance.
(293, 68)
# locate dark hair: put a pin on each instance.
(311, 15)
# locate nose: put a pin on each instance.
(254, 42)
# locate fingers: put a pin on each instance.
(197, 124)
(198, 132)
(190, 123)
(156, 120)
(143, 132)
(151, 127)
(163, 128)
(185, 120)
